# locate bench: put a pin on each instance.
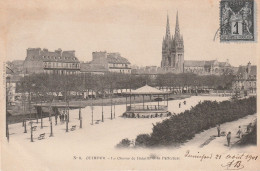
(41, 136)
(73, 128)
(34, 128)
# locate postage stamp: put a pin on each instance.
(237, 20)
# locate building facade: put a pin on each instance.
(173, 49)
(107, 62)
(245, 81)
(117, 63)
(212, 67)
(44, 61)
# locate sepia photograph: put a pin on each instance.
(129, 85)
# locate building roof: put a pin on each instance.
(146, 90)
(115, 58)
(57, 56)
(66, 56)
(212, 62)
(223, 64)
(9, 70)
(253, 70)
(17, 62)
(193, 63)
(243, 69)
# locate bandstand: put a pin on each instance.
(145, 110)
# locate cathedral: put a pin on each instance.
(173, 49)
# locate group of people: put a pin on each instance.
(239, 132)
(228, 134)
(63, 117)
(183, 103)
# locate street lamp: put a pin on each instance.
(92, 108)
(41, 114)
(31, 131)
(33, 85)
(111, 103)
(102, 107)
(25, 130)
(114, 109)
(51, 134)
(7, 101)
(80, 124)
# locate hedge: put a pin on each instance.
(180, 128)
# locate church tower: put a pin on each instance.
(178, 48)
(166, 46)
(173, 49)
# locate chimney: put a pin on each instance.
(58, 51)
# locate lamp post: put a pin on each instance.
(102, 109)
(92, 108)
(51, 134)
(67, 125)
(79, 113)
(111, 103)
(114, 109)
(7, 101)
(25, 130)
(80, 124)
(31, 131)
(37, 114)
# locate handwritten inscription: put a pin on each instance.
(231, 162)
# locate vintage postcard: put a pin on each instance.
(129, 85)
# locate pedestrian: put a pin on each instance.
(249, 128)
(218, 128)
(228, 138)
(184, 102)
(180, 105)
(239, 132)
(60, 117)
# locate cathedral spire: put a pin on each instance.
(168, 33)
(177, 29)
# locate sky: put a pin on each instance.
(134, 28)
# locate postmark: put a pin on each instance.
(237, 20)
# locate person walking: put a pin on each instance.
(239, 132)
(228, 138)
(218, 128)
(249, 128)
(180, 105)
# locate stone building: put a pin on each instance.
(245, 81)
(212, 67)
(107, 62)
(173, 49)
(44, 61)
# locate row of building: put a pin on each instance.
(65, 62)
